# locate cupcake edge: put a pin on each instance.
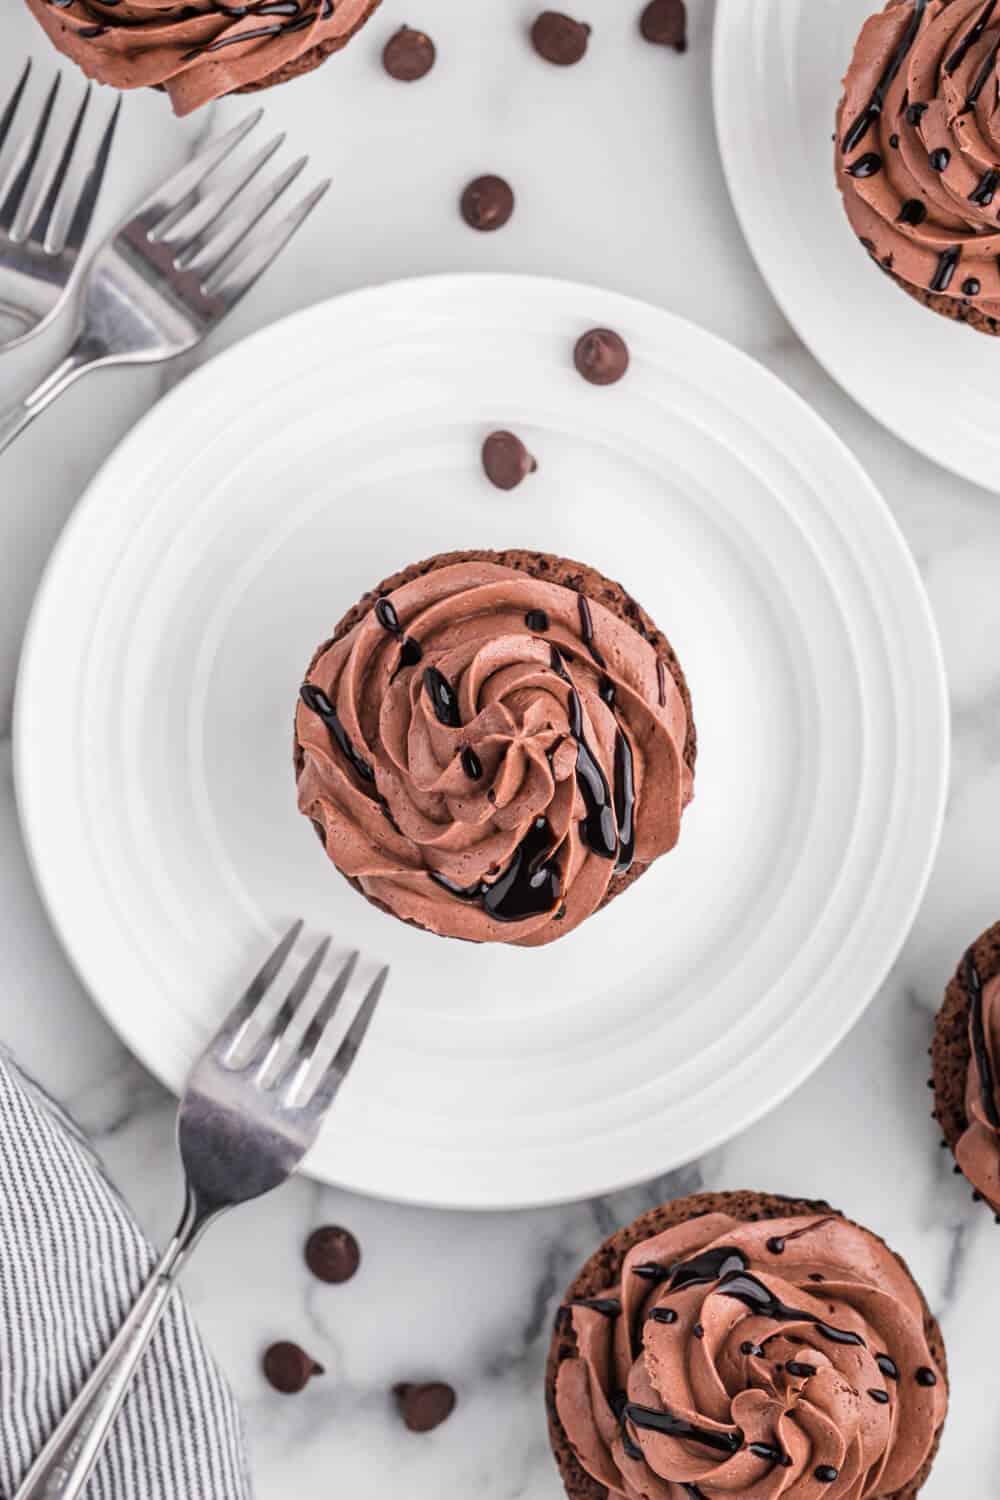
(550, 568)
(309, 61)
(603, 1269)
(951, 1051)
(955, 309)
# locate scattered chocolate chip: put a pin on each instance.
(332, 1254)
(926, 1377)
(409, 55)
(424, 1407)
(289, 1368)
(487, 203)
(559, 39)
(601, 356)
(506, 460)
(664, 23)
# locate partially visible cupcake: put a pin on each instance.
(966, 1054)
(202, 50)
(918, 153)
(729, 1345)
(493, 745)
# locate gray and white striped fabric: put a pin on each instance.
(72, 1261)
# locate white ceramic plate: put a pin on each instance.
(778, 66)
(261, 498)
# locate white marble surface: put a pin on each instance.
(619, 182)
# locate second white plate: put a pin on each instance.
(261, 498)
(778, 67)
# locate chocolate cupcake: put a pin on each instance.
(493, 745)
(966, 1054)
(200, 51)
(917, 153)
(727, 1336)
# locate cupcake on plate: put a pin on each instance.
(199, 51)
(966, 1054)
(494, 745)
(729, 1345)
(918, 153)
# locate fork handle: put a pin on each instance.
(83, 356)
(65, 1464)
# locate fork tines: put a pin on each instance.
(40, 173)
(215, 225)
(278, 1060)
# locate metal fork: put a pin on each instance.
(36, 265)
(172, 272)
(247, 1118)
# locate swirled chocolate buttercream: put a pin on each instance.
(783, 1358)
(918, 147)
(978, 1149)
(200, 50)
(490, 755)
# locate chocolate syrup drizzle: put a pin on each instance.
(711, 1265)
(443, 697)
(947, 264)
(985, 190)
(982, 78)
(587, 629)
(318, 703)
(651, 1420)
(741, 1286)
(608, 1307)
(529, 887)
(410, 651)
(778, 1242)
(971, 37)
(471, 764)
(299, 14)
(873, 109)
(913, 211)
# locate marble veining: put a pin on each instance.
(632, 198)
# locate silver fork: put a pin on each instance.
(172, 272)
(246, 1119)
(36, 265)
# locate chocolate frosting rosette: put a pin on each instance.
(918, 151)
(786, 1356)
(966, 1079)
(201, 50)
(492, 755)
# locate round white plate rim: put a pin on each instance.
(485, 282)
(921, 438)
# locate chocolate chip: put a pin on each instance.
(664, 22)
(559, 39)
(487, 203)
(601, 356)
(424, 1407)
(409, 55)
(506, 460)
(332, 1254)
(289, 1368)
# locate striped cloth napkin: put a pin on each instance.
(72, 1262)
